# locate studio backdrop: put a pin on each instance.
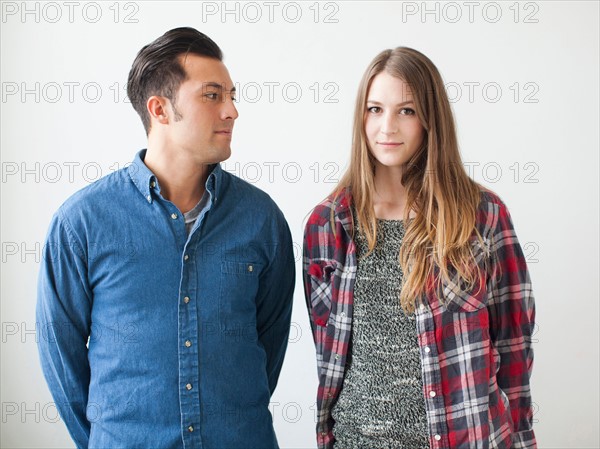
(522, 78)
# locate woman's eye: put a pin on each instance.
(407, 111)
(374, 109)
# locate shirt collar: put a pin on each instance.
(146, 182)
(341, 206)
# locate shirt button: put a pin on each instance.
(432, 394)
(149, 198)
(337, 357)
(186, 299)
(174, 216)
(427, 349)
(188, 386)
(323, 434)
(189, 343)
(437, 437)
(342, 314)
(186, 257)
(250, 268)
(190, 428)
(152, 184)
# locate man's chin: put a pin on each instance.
(223, 156)
(216, 156)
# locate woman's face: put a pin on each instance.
(394, 132)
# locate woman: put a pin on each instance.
(417, 288)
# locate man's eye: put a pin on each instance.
(212, 96)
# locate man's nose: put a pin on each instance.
(229, 110)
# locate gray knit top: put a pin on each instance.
(381, 404)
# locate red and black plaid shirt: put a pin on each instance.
(476, 353)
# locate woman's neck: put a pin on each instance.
(389, 197)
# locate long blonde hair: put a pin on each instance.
(439, 190)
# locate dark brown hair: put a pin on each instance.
(156, 69)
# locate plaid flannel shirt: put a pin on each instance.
(476, 354)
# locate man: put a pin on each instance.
(165, 292)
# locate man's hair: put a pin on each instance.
(157, 70)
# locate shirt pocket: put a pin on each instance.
(321, 274)
(238, 291)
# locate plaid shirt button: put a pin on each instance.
(432, 394)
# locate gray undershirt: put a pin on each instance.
(192, 215)
(381, 404)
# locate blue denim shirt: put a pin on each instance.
(152, 338)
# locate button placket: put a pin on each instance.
(189, 347)
(433, 400)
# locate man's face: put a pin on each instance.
(202, 117)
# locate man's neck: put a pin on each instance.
(181, 180)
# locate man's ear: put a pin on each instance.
(157, 108)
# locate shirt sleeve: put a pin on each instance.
(275, 301)
(63, 323)
(315, 289)
(512, 320)
(317, 266)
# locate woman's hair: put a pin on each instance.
(439, 190)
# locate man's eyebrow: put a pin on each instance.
(215, 86)
(399, 104)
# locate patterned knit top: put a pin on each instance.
(381, 404)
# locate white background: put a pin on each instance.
(528, 130)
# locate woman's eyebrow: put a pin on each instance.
(399, 104)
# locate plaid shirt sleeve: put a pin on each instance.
(312, 293)
(318, 267)
(512, 315)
